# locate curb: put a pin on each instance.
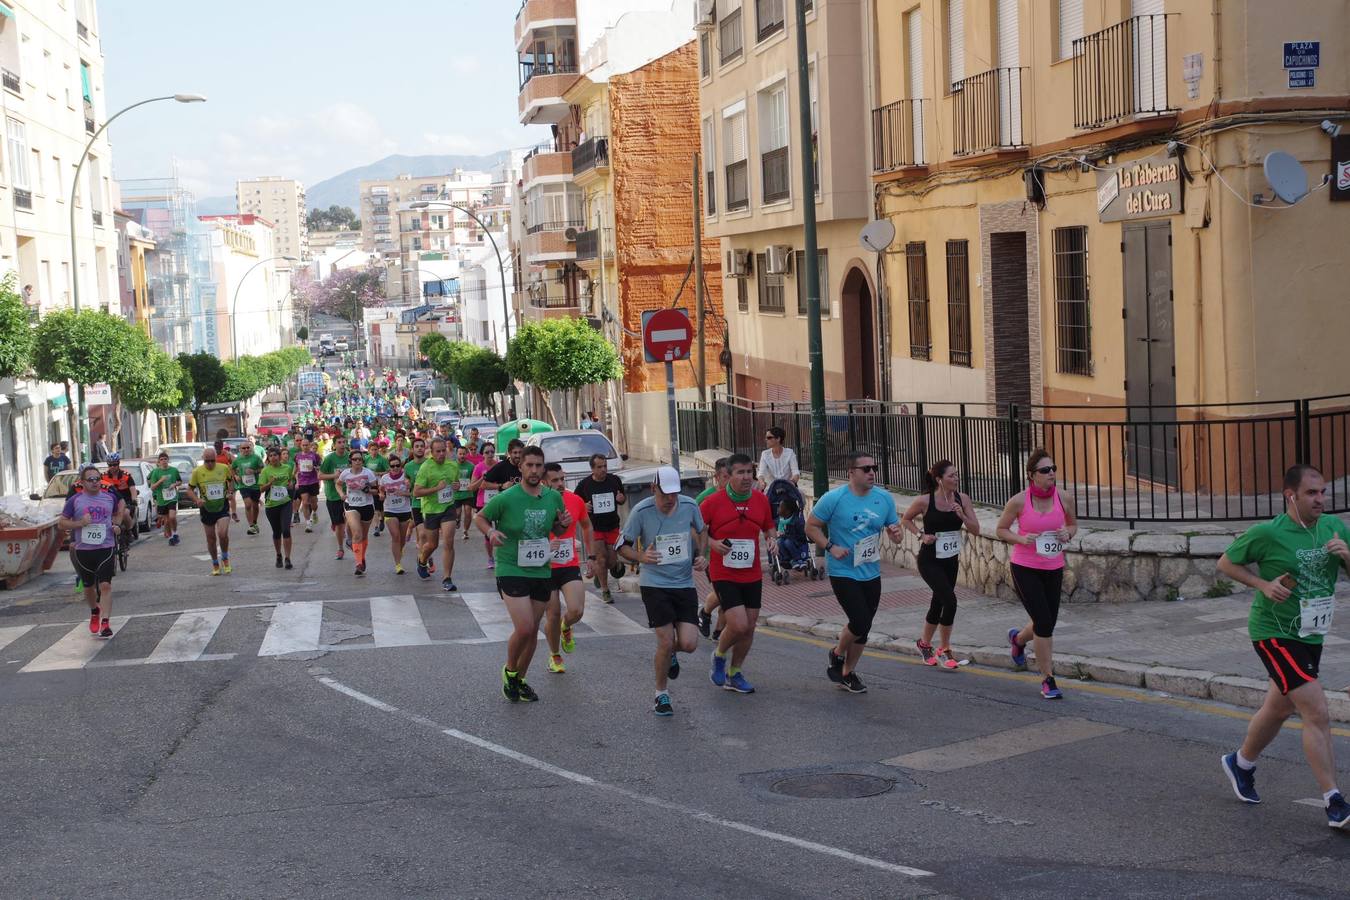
(1235, 690)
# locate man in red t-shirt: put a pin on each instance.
(737, 516)
(567, 583)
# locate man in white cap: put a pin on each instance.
(670, 529)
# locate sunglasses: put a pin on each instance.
(396, 465)
(95, 480)
(867, 468)
(1046, 470)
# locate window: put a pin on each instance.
(705, 54)
(36, 170)
(773, 142)
(1073, 324)
(734, 149)
(730, 34)
(958, 302)
(814, 93)
(799, 263)
(18, 152)
(58, 179)
(768, 18)
(956, 41)
(770, 287)
(1069, 25)
(916, 265)
(709, 167)
(742, 295)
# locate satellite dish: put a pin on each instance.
(877, 236)
(1286, 176)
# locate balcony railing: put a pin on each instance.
(1121, 72)
(897, 135)
(592, 153)
(987, 112)
(731, 36)
(98, 217)
(551, 301)
(738, 186)
(82, 29)
(768, 18)
(89, 125)
(598, 243)
(561, 225)
(23, 199)
(777, 178)
(531, 68)
(11, 81)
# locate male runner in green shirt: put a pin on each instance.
(435, 484)
(246, 466)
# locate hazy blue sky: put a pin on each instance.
(306, 88)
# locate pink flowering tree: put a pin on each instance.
(344, 293)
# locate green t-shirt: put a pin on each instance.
(331, 465)
(171, 476)
(270, 475)
(465, 473)
(378, 464)
(246, 468)
(201, 481)
(432, 474)
(1283, 546)
(520, 516)
(707, 492)
(410, 468)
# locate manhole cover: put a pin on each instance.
(832, 787)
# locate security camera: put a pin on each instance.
(1331, 128)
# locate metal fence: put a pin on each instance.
(1121, 72)
(1206, 462)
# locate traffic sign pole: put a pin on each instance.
(670, 411)
(666, 337)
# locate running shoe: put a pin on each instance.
(422, 571)
(431, 565)
(674, 671)
(704, 622)
(360, 569)
(215, 569)
(926, 653)
(509, 689)
(448, 585)
(106, 630)
(466, 535)
(278, 560)
(662, 706)
(1050, 690)
(347, 543)
(595, 580)
(93, 620)
(1338, 812)
(719, 670)
(288, 563)
(340, 555)
(607, 597)
(225, 567)
(398, 570)
(945, 660)
(1016, 650)
(309, 529)
(252, 529)
(853, 684)
(490, 564)
(835, 670)
(740, 685)
(378, 531)
(555, 664)
(173, 541)
(525, 692)
(1242, 780)
(569, 643)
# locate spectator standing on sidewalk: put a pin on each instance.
(777, 461)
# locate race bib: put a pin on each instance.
(446, 494)
(358, 498)
(565, 552)
(397, 503)
(307, 465)
(741, 555)
(1049, 545)
(867, 550)
(169, 494)
(460, 486)
(1315, 615)
(249, 479)
(94, 534)
(673, 548)
(947, 544)
(489, 494)
(532, 554)
(278, 492)
(602, 503)
(215, 491)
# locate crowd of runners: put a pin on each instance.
(382, 470)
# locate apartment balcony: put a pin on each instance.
(82, 30)
(542, 85)
(89, 125)
(23, 199)
(553, 12)
(98, 218)
(738, 186)
(594, 247)
(987, 113)
(774, 169)
(544, 160)
(897, 136)
(550, 306)
(547, 242)
(11, 81)
(590, 160)
(1120, 73)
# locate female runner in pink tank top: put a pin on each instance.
(1045, 523)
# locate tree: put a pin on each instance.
(302, 333)
(334, 218)
(561, 355)
(344, 293)
(16, 334)
(206, 380)
(162, 391)
(483, 374)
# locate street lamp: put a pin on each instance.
(234, 302)
(74, 248)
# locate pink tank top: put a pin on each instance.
(1033, 522)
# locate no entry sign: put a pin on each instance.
(666, 335)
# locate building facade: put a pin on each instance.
(252, 312)
(280, 201)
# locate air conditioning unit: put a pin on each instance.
(707, 15)
(738, 263)
(570, 235)
(777, 259)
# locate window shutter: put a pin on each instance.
(1009, 41)
(956, 40)
(1070, 25)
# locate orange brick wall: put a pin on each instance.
(654, 136)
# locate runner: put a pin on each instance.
(357, 485)
(473, 455)
(465, 496)
(276, 481)
(484, 495)
(665, 522)
(378, 462)
(396, 492)
(435, 484)
(307, 463)
(846, 524)
(721, 471)
(525, 517)
(506, 472)
(246, 465)
(737, 516)
(90, 515)
(1298, 556)
(332, 464)
(211, 488)
(164, 481)
(945, 512)
(603, 494)
(1045, 523)
(117, 480)
(567, 575)
(410, 468)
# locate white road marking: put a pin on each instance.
(1002, 745)
(187, 637)
(396, 622)
(13, 633)
(490, 613)
(73, 651)
(294, 628)
(588, 781)
(603, 618)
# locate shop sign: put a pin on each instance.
(1340, 167)
(98, 395)
(1142, 189)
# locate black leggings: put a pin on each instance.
(279, 517)
(940, 575)
(1039, 591)
(859, 601)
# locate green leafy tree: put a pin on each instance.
(561, 355)
(162, 391)
(302, 333)
(16, 334)
(206, 381)
(428, 344)
(483, 374)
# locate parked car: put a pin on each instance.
(573, 449)
(434, 404)
(341, 345)
(139, 469)
(275, 423)
(191, 451)
(487, 428)
(299, 408)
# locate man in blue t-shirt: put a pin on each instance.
(670, 529)
(847, 523)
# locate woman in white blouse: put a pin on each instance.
(777, 461)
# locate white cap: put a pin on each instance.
(668, 480)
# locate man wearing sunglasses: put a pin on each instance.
(847, 523)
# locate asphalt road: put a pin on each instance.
(369, 753)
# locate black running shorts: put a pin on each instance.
(731, 594)
(1291, 663)
(667, 606)
(537, 589)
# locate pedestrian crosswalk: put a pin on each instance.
(282, 629)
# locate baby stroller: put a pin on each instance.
(793, 552)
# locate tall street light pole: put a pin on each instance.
(83, 437)
(234, 302)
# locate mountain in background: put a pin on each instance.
(344, 189)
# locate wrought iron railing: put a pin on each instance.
(730, 37)
(768, 18)
(987, 112)
(530, 68)
(897, 135)
(738, 186)
(1121, 72)
(560, 225)
(10, 80)
(774, 169)
(592, 153)
(23, 199)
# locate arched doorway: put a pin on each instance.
(860, 339)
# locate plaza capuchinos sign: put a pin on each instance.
(1141, 189)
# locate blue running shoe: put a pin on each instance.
(662, 706)
(1338, 812)
(1050, 690)
(674, 671)
(422, 571)
(739, 684)
(1018, 651)
(719, 670)
(1243, 780)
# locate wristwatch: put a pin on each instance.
(829, 545)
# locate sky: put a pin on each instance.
(306, 88)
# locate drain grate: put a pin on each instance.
(832, 787)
